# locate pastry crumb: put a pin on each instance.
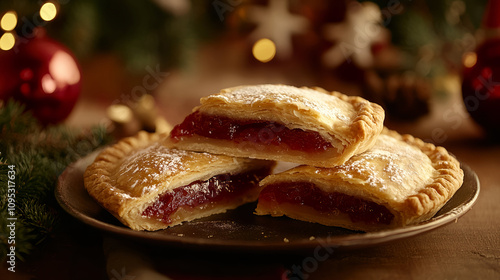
(312, 238)
(286, 240)
(180, 234)
(210, 236)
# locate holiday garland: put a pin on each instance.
(31, 159)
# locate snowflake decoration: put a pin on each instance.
(355, 36)
(276, 23)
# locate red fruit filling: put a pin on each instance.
(303, 193)
(218, 189)
(255, 131)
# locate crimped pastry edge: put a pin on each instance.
(126, 208)
(366, 127)
(362, 135)
(97, 175)
(427, 201)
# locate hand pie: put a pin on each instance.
(285, 123)
(148, 186)
(398, 182)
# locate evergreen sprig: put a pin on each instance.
(39, 155)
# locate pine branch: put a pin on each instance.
(39, 155)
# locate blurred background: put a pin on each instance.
(408, 56)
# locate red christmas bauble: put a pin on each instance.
(43, 74)
(481, 77)
(481, 87)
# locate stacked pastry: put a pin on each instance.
(352, 172)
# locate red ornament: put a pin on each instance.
(43, 74)
(481, 78)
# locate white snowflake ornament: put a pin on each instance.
(354, 37)
(276, 23)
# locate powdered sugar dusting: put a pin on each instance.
(389, 164)
(364, 165)
(143, 170)
(203, 187)
(324, 104)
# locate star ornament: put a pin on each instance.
(354, 37)
(276, 23)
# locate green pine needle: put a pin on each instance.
(39, 154)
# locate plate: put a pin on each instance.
(241, 230)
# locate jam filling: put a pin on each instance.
(219, 188)
(308, 194)
(255, 131)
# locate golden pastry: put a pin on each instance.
(283, 123)
(399, 182)
(149, 186)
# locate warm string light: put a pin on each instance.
(7, 41)
(48, 11)
(8, 23)
(264, 50)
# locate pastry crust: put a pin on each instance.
(350, 124)
(130, 175)
(412, 179)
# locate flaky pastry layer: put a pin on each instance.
(129, 176)
(412, 179)
(349, 124)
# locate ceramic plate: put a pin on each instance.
(241, 230)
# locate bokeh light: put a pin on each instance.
(264, 50)
(120, 113)
(48, 11)
(9, 21)
(7, 41)
(469, 59)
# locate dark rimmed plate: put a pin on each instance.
(241, 230)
